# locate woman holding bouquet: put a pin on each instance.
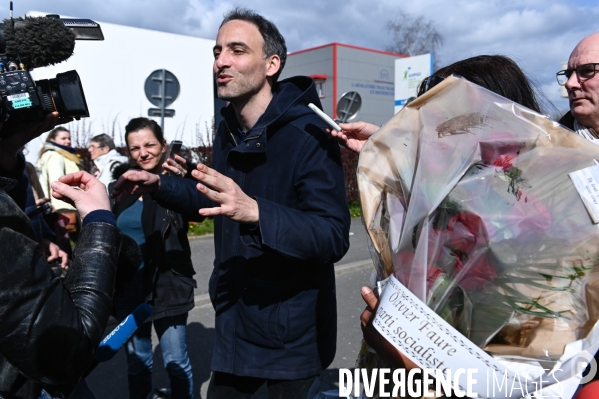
(502, 76)
(494, 72)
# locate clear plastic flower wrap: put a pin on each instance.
(468, 201)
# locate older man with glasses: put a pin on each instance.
(105, 157)
(582, 85)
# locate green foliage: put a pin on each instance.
(201, 228)
(354, 209)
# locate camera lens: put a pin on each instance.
(64, 94)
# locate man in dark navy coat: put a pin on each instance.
(276, 191)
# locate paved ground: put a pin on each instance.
(109, 380)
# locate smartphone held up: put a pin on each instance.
(173, 149)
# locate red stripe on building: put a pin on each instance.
(335, 80)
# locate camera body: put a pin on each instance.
(27, 43)
(26, 100)
(20, 97)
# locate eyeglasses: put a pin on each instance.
(94, 147)
(584, 73)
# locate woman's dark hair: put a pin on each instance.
(52, 135)
(497, 73)
(274, 42)
(136, 124)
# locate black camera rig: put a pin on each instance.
(27, 43)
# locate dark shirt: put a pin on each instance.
(129, 223)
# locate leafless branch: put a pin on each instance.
(413, 36)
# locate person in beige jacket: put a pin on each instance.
(58, 158)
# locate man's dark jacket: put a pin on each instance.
(50, 328)
(567, 120)
(273, 284)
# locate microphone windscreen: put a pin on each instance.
(39, 41)
(117, 337)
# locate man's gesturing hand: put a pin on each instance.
(83, 191)
(135, 182)
(234, 203)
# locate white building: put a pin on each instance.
(113, 73)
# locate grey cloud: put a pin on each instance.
(538, 34)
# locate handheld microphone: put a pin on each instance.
(37, 42)
(117, 337)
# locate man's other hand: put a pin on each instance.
(135, 182)
(234, 203)
(83, 191)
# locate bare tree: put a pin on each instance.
(413, 36)
(80, 132)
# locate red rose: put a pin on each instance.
(475, 273)
(468, 241)
(466, 231)
(432, 273)
(501, 150)
(402, 265)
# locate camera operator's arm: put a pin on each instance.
(50, 328)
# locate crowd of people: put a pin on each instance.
(276, 192)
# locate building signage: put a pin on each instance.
(374, 88)
(409, 72)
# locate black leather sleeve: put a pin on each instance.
(50, 329)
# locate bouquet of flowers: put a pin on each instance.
(468, 202)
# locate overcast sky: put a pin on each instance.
(538, 34)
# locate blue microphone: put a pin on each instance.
(121, 333)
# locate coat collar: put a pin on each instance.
(105, 159)
(255, 142)
(289, 102)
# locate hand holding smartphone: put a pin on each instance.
(174, 148)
